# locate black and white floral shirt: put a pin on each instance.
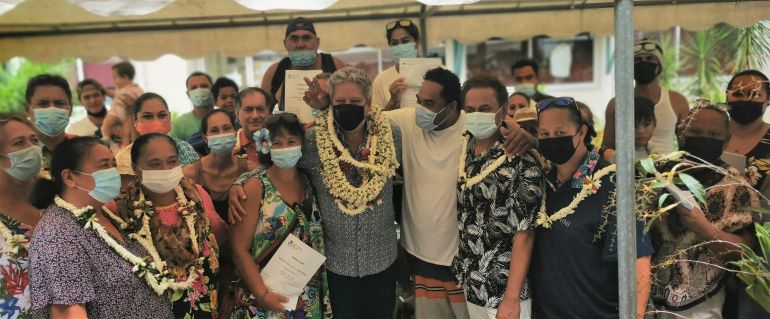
(490, 213)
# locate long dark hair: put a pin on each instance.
(69, 154)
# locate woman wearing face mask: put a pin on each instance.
(574, 263)
(174, 219)
(20, 161)
(351, 155)
(151, 115)
(83, 265)
(280, 202)
(748, 95)
(403, 38)
(689, 281)
(218, 170)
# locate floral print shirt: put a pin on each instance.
(14, 270)
(490, 214)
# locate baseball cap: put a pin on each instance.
(300, 23)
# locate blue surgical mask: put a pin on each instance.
(425, 118)
(51, 121)
(106, 185)
(405, 50)
(202, 97)
(286, 157)
(527, 89)
(481, 124)
(221, 144)
(25, 163)
(302, 58)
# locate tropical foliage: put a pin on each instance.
(14, 76)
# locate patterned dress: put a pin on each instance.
(14, 270)
(685, 276)
(173, 243)
(71, 265)
(275, 218)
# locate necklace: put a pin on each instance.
(143, 267)
(378, 162)
(590, 185)
(18, 244)
(464, 180)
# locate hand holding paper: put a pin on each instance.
(291, 268)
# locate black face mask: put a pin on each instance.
(558, 150)
(645, 72)
(348, 116)
(706, 148)
(745, 112)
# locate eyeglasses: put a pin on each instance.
(647, 47)
(403, 22)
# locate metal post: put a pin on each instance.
(624, 141)
(424, 30)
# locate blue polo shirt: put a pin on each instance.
(574, 263)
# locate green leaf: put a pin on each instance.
(658, 184)
(176, 295)
(205, 306)
(648, 166)
(662, 199)
(694, 186)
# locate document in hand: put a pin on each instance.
(295, 91)
(413, 70)
(291, 268)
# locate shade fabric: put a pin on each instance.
(47, 30)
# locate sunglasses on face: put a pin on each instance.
(403, 22)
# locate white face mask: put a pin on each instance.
(162, 181)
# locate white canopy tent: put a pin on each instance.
(47, 30)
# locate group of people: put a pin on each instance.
(506, 209)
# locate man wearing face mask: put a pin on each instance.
(502, 197)
(670, 107)
(689, 282)
(403, 38)
(302, 44)
(525, 77)
(48, 108)
(199, 91)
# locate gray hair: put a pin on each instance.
(354, 75)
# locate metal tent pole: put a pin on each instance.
(624, 141)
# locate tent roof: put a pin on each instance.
(47, 30)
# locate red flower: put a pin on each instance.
(16, 280)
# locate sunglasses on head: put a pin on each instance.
(403, 22)
(646, 47)
(289, 117)
(559, 101)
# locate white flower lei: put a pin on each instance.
(14, 241)
(380, 166)
(466, 182)
(158, 280)
(590, 186)
(144, 238)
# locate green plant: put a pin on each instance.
(703, 51)
(14, 77)
(752, 47)
(754, 270)
(670, 63)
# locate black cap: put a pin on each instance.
(299, 23)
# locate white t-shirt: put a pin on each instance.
(381, 86)
(430, 160)
(84, 127)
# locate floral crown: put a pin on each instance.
(263, 141)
